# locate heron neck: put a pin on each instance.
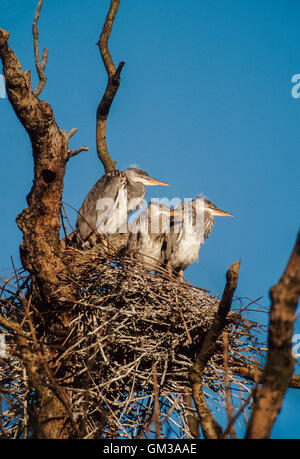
(135, 190)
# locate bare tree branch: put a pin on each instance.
(111, 88)
(41, 252)
(68, 136)
(210, 428)
(156, 413)
(251, 373)
(192, 418)
(237, 414)
(4, 48)
(72, 132)
(104, 37)
(40, 67)
(229, 408)
(76, 152)
(280, 363)
(40, 222)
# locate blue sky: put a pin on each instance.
(205, 104)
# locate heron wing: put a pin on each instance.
(108, 186)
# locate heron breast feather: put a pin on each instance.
(188, 250)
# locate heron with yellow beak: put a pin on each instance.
(189, 233)
(109, 203)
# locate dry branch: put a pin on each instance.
(40, 66)
(229, 408)
(209, 425)
(156, 413)
(40, 221)
(76, 152)
(111, 88)
(280, 363)
(41, 251)
(192, 417)
(253, 373)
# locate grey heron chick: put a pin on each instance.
(148, 237)
(106, 207)
(188, 234)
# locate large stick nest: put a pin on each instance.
(127, 325)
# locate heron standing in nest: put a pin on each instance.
(188, 234)
(106, 207)
(148, 238)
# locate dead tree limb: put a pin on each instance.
(111, 88)
(192, 418)
(40, 66)
(251, 373)
(280, 363)
(156, 413)
(40, 222)
(210, 428)
(41, 251)
(229, 408)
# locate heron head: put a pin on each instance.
(140, 176)
(214, 210)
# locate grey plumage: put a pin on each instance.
(188, 234)
(123, 191)
(147, 240)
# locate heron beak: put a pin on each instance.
(221, 213)
(176, 213)
(151, 181)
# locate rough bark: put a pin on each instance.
(40, 221)
(40, 251)
(280, 363)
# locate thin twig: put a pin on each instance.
(76, 152)
(40, 67)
